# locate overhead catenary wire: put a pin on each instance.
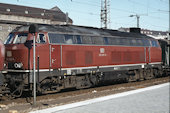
(90, 13)
(143, 5)
(97, 4)
(122, 10)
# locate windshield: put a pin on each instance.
(9, 39)
(20, 38)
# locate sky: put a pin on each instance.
(154, 14)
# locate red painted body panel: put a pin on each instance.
(156, 54)
(42, 51)
(2, 53)
(17, 53)
(72, 56)
(85, 56)
(20, 54)
(147, 50)
(55, 56)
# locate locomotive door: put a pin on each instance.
(55, 56)
(42, 51)
(147, 54)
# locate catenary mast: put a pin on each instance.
(105, 14)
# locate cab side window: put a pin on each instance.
(154, 43)
(41, 38)
(69, 39)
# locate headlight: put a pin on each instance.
(18, 65)
(5, 65)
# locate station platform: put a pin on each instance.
(154, 99)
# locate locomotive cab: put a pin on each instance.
(19, 59)
(19, 52)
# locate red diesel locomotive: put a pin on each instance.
(70, 56)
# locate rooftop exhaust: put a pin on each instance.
(135, 30)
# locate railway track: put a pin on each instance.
(24, 104)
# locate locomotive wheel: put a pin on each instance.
(136, 75)
(148, 74)
(132, 76)
(83, 82)
(47, 86)
(141, 75)
(94, 80)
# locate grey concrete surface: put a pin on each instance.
(152, 101)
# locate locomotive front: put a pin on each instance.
(19, 59)
(16, 52)
(16, 62)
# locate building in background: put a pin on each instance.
(12, 16)
(151, 33)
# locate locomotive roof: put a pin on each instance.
(73, 29)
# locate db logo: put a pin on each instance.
(102, 52)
